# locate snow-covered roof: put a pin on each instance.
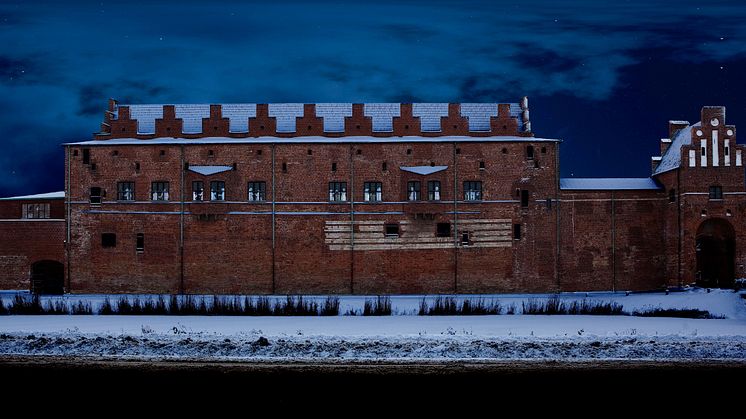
(609, 184)
(48, 195)
(333, 114)
(209, 170)
(423, 170)
(671, 159)
(312, 139)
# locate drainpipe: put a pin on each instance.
(557, 207)
(678, 220)
(455, 221)
(273, 218)
(68, 212)
(351, 192)
(613, 243)
(181, 225)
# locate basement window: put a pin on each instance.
(140, 243)
(444, 230)
(391, 230)
(108, 240)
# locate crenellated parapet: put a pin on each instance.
(246, 120)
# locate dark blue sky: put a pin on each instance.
(603, 76)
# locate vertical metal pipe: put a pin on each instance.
(351, 192)
(455, 221)
(613, 243)
(273, 218)
(68, 212)
(181, 226)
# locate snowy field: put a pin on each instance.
(398, 337)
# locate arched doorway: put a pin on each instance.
(716, 251)
(47, 277)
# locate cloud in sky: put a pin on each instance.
(60, 61)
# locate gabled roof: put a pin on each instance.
(609, 184)
(48, 195)
(423, 170)
(671, 159)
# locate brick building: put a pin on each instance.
(377, 199)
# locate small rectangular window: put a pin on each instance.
(126, 191)
(672, 195)
(413, 190)
(529, 152)
(108, 240)
(524, 198)
(284, 167)
(516, 231)
(35, 211)
(716, 192)
(433, 190)
(481, 165)
(257, 191)
(140, 242)
(217, 191)
(86, 156)
(384, 166)
(472, 191)
(198, 191)
(337, 191)
(159, 191)
(372, 192)
(392, 230)
(444, 230)
(334, 167)
(95, 195)
(465, 238)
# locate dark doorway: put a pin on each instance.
(47, 277)
(716, 250)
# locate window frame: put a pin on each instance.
(96, 199)
(337, 192)
(715, 192)
(164, 192)
(121, 192)
(108, 240)
(433, 190)
(215, 187)
(256, 191)
(413, 190)
(140, 242)
(201, 195)
(372, 191)
(440, 232)
(473, 190)
(35, 211)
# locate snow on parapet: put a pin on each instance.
(479, 115)
(609, 184)
(238, 115)
(192, 116)
(48, 195)
(382, 115)
(430, 114)
(334, 115)
(285, 113)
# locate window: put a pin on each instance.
(334, 167)
(413, 191)
(198, 191)
(126, 191)
(472, 191)
(716, 192)
(159, 191)
(86, 156)
(433, 190)
(35, 211)
(257, 191)
(672, 195)
(516, 231)
(140, 242)
(524, 198)
(372, 191)
(217, 191)
(284, 167)
(337, 191)
(391, 230)
(529, 152)
(543, 150)
(481, 165)
(444, 230)
(384, 167)
(465, 238)
(108, 240)
(95, 195)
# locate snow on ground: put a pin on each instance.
(431, 338)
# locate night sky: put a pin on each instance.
(605, 77)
